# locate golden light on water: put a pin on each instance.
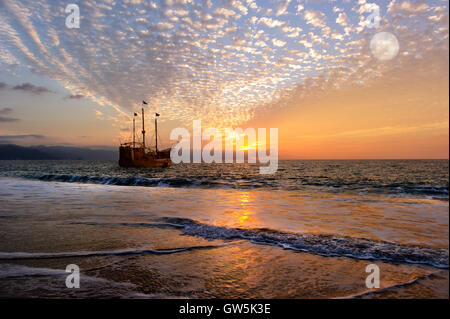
(239, 212)
(244, 215)
(244, 198)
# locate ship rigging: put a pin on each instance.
(136, 154)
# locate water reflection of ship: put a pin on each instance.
(136, 154)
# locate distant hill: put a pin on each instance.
(16, 152)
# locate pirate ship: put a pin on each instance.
(136, 154)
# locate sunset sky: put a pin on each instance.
(304, 67)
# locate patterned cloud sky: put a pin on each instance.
(221, 61)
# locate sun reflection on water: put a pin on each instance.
(240, 212)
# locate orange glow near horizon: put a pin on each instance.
(403, 114)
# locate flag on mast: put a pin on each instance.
(135, 114)
(143, 102)
(157, 114)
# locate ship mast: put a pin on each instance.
(143, 130)
(134, 140)
(134, 134)
(156, 132)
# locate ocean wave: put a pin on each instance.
(323, 245)
(49, 283)
(12, 271)
(125, 181)
(436, 191)
(19, 271)
(388, 288)
(122, 252)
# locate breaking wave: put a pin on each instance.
(438, 192)
(323, 245)
(24, 255)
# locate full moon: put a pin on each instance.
(384, 46)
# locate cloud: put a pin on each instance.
(316, 18)
(406, 6)
(28, 87)
(282, 7)
(278, 43)
(386, 130)
(75, 96)
(21, 136)
(342, 19)
(5, 119)
(5, 110)
(219, 61)
(292, 32)
(271, 23)
(239, 6)
(227, 13)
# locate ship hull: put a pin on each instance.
(146, 163)
(139, 157)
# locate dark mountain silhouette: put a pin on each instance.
(16, 152)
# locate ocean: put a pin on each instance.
(224, 230)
